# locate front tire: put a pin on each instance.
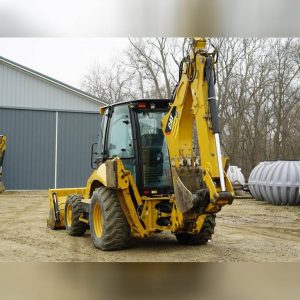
(203, 236)
(108, 224)
(73, 211)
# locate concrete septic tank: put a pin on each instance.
(235, 175)
(277, 182)
(255, 178)
(281, 183)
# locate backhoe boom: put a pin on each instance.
(199, 179)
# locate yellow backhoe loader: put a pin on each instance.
(148, 177)
(2, 153)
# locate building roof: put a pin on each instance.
(52, 81)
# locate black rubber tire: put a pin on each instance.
(115, 228)
(77, 228)
(203, 236)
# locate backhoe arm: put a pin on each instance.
(199, 178)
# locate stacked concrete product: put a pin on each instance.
(277, 182)
(235, 175)
(256, 178)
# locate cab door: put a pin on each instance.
(119, 140)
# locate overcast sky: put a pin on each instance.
(65, 59)
(115, 18)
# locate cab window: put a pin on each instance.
(120, 142)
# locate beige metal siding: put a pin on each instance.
(20, 89)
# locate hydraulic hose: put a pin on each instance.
(209, 75)
(211, 94)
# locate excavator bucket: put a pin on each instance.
(186, 184)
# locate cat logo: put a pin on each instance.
(170, 122)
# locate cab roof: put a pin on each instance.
(136, 101)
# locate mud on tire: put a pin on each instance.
(203, 236)
(73, 206)
(108, 224)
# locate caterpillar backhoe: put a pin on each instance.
(148, 176)
(2, 153)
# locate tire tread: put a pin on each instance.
(203, 236)
(116, 231)
(78, 228)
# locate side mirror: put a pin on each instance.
(93, 158)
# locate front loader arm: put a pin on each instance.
(2, 153)
(199, 180)
(2, 148)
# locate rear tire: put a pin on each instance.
(73, 211)
(203, 236)
(108, 224)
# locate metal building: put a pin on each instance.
(50, 127)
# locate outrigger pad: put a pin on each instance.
(226, 196)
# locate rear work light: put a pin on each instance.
(141, 105)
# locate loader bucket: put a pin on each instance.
(57, 200)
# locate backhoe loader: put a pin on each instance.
(148, 178)
(2, 153)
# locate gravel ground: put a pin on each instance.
(248, 230)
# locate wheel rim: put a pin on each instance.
(69, 215)
(97, 218)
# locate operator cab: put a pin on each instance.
(132, 131)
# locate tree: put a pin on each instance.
(257, 87)
(110, 85)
